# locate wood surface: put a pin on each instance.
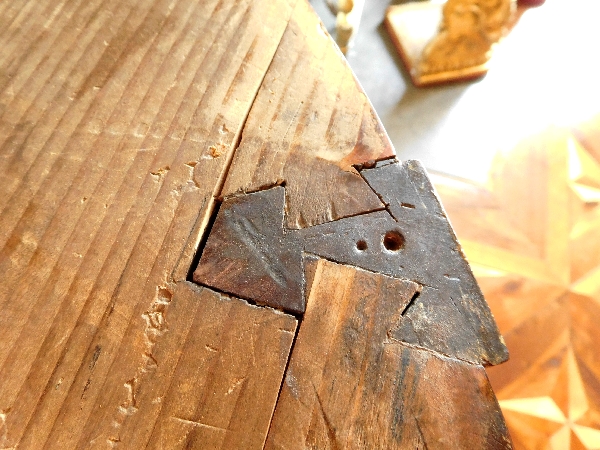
(532, 234)
(221, 392)
(122, 124)
(451, 315)
(310, 123)
(250, 254)
(118, 123)
(346, 364)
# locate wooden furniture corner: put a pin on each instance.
(207, 242)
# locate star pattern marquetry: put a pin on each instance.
(532, 235)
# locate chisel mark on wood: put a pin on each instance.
(200, 424)
(235, 384)
(129, 406)
(4, 429)
(159, 173)
(86, 387)
(95, 357)
(293, 119)
(216, 150)
(421, 437)
(331, 433)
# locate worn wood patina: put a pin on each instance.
(135, 134)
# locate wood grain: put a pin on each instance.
(309, 124)
(451, 315)
(350, 384)
(250, 255)
(111, 112)
(223, 362)
(532, 233)
(120, 125)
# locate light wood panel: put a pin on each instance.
(222, 365)
(110, 114)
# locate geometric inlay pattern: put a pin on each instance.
(532, 236)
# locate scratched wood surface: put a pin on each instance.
(122, 123)
(309, 124)
(220, 389)
(346, 364)
(118, 120)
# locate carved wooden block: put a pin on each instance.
(450, 41)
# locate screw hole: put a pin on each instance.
(393, 241)
(361, 245)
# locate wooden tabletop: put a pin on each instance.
(130, 131)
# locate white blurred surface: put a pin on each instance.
(545, 73)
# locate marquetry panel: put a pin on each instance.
(532, 235)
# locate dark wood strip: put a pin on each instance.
(350, 384)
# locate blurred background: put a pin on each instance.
(515, 157)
